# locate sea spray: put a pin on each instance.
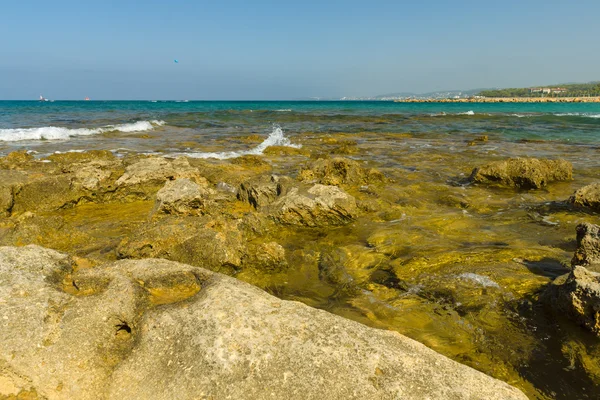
(59, 133)
(275, 138)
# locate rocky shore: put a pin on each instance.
(112, 285)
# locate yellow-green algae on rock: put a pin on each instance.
(455, 266)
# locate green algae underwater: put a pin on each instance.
(454, 265)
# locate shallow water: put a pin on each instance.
(455, 266)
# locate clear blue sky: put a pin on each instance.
(233, 49)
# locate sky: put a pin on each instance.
(260, 50)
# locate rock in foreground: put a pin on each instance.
(155, 329)
(523, 173)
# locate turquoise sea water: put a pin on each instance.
(563, 122)
(429, 149)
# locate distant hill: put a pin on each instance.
(442, 94)
(560, 90)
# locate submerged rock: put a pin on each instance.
(587, 196)
(182, 196)
(523, 173)
(588, 246)
(349, 266)
(320, 205)
(98, 332)
(338, 171)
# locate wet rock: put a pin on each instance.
(82, 157)
(284, 151)
(250, 161)
(338, 171)
(97, 332)
(588, 246)
(263, 190)
(183, 196)
(16, 160)
(320, 205)
(523, 173)
(47, 193)
(577, 295)
(267, 257)
(10, 182)
(213, 244)
(143, 178)
(587, 196)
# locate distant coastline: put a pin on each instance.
(506, 100)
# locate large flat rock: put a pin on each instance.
(156, 329)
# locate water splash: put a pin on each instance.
(275, 138)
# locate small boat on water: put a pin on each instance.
(42, 98)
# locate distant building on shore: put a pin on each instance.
(547, 90)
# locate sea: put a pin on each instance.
(46, 127)
(462, 265)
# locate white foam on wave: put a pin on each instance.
(275, 138)
(59, 133)
(576, 114)
(284, 110)
(470, 112)
(479, 279)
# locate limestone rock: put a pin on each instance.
(145, 176)
(523, 173)
(10, 183)
(183, 196)
(588, 246)
(204, 241)
(577, 294)
(16, 160)
(320, 205)
(268, 257)
(91, 177)
(587, 196)
(263, 190)
(338, 171)
(89, 156)
(47, 193)
(155, 329)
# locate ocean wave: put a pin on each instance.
(284, 110)
(577, 114)
(444, 114)
(59, 133)
(275, 138)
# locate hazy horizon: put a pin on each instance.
(273, 51)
